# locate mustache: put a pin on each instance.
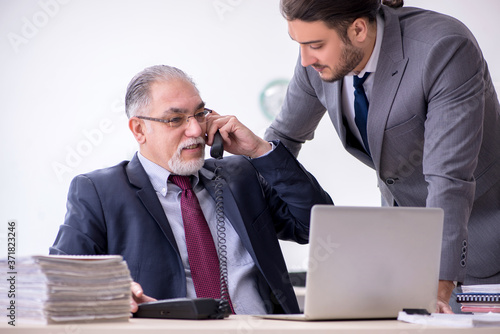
(190, 141)
(319, 65)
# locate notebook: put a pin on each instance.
(371, 262)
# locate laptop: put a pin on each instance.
(371, 262)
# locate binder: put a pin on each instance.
(478, 298)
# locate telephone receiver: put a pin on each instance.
(217, 149)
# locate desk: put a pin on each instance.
(242, 324)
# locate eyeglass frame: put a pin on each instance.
(206, 111)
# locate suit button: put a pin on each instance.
(462, 263)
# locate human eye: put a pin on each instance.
(200, 116)
(316, 46)
(176, 120)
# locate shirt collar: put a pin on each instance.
(158, 175)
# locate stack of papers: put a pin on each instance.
(60, 289)
(452, 320)
(480, 298)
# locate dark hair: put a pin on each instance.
(393, 3)
(336, 14)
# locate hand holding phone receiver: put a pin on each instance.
(217, 149)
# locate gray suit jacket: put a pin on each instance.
(433, 130)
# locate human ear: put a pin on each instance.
(138, 128)
(358, 30)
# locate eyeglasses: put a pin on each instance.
(177, 121)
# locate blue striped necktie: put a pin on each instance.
(361, 108)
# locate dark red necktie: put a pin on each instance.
(202, 255)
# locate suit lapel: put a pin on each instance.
(336, 113)
(390, 69)
(138, 177)
(335, 108)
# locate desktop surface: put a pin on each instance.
(241, 324)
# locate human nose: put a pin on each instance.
(188, 118)
(193, 127)
(306, 58)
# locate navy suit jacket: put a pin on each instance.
(116, 211)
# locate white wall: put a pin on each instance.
(65, 65)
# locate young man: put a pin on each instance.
(138, 210)
(410, 95)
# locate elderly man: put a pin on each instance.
(145, 209)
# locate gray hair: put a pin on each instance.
(138, 95)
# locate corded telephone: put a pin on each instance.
(200, 308)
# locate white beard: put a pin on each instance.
(180, 167)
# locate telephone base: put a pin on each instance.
(184, 308)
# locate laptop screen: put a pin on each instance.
(371, 262)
